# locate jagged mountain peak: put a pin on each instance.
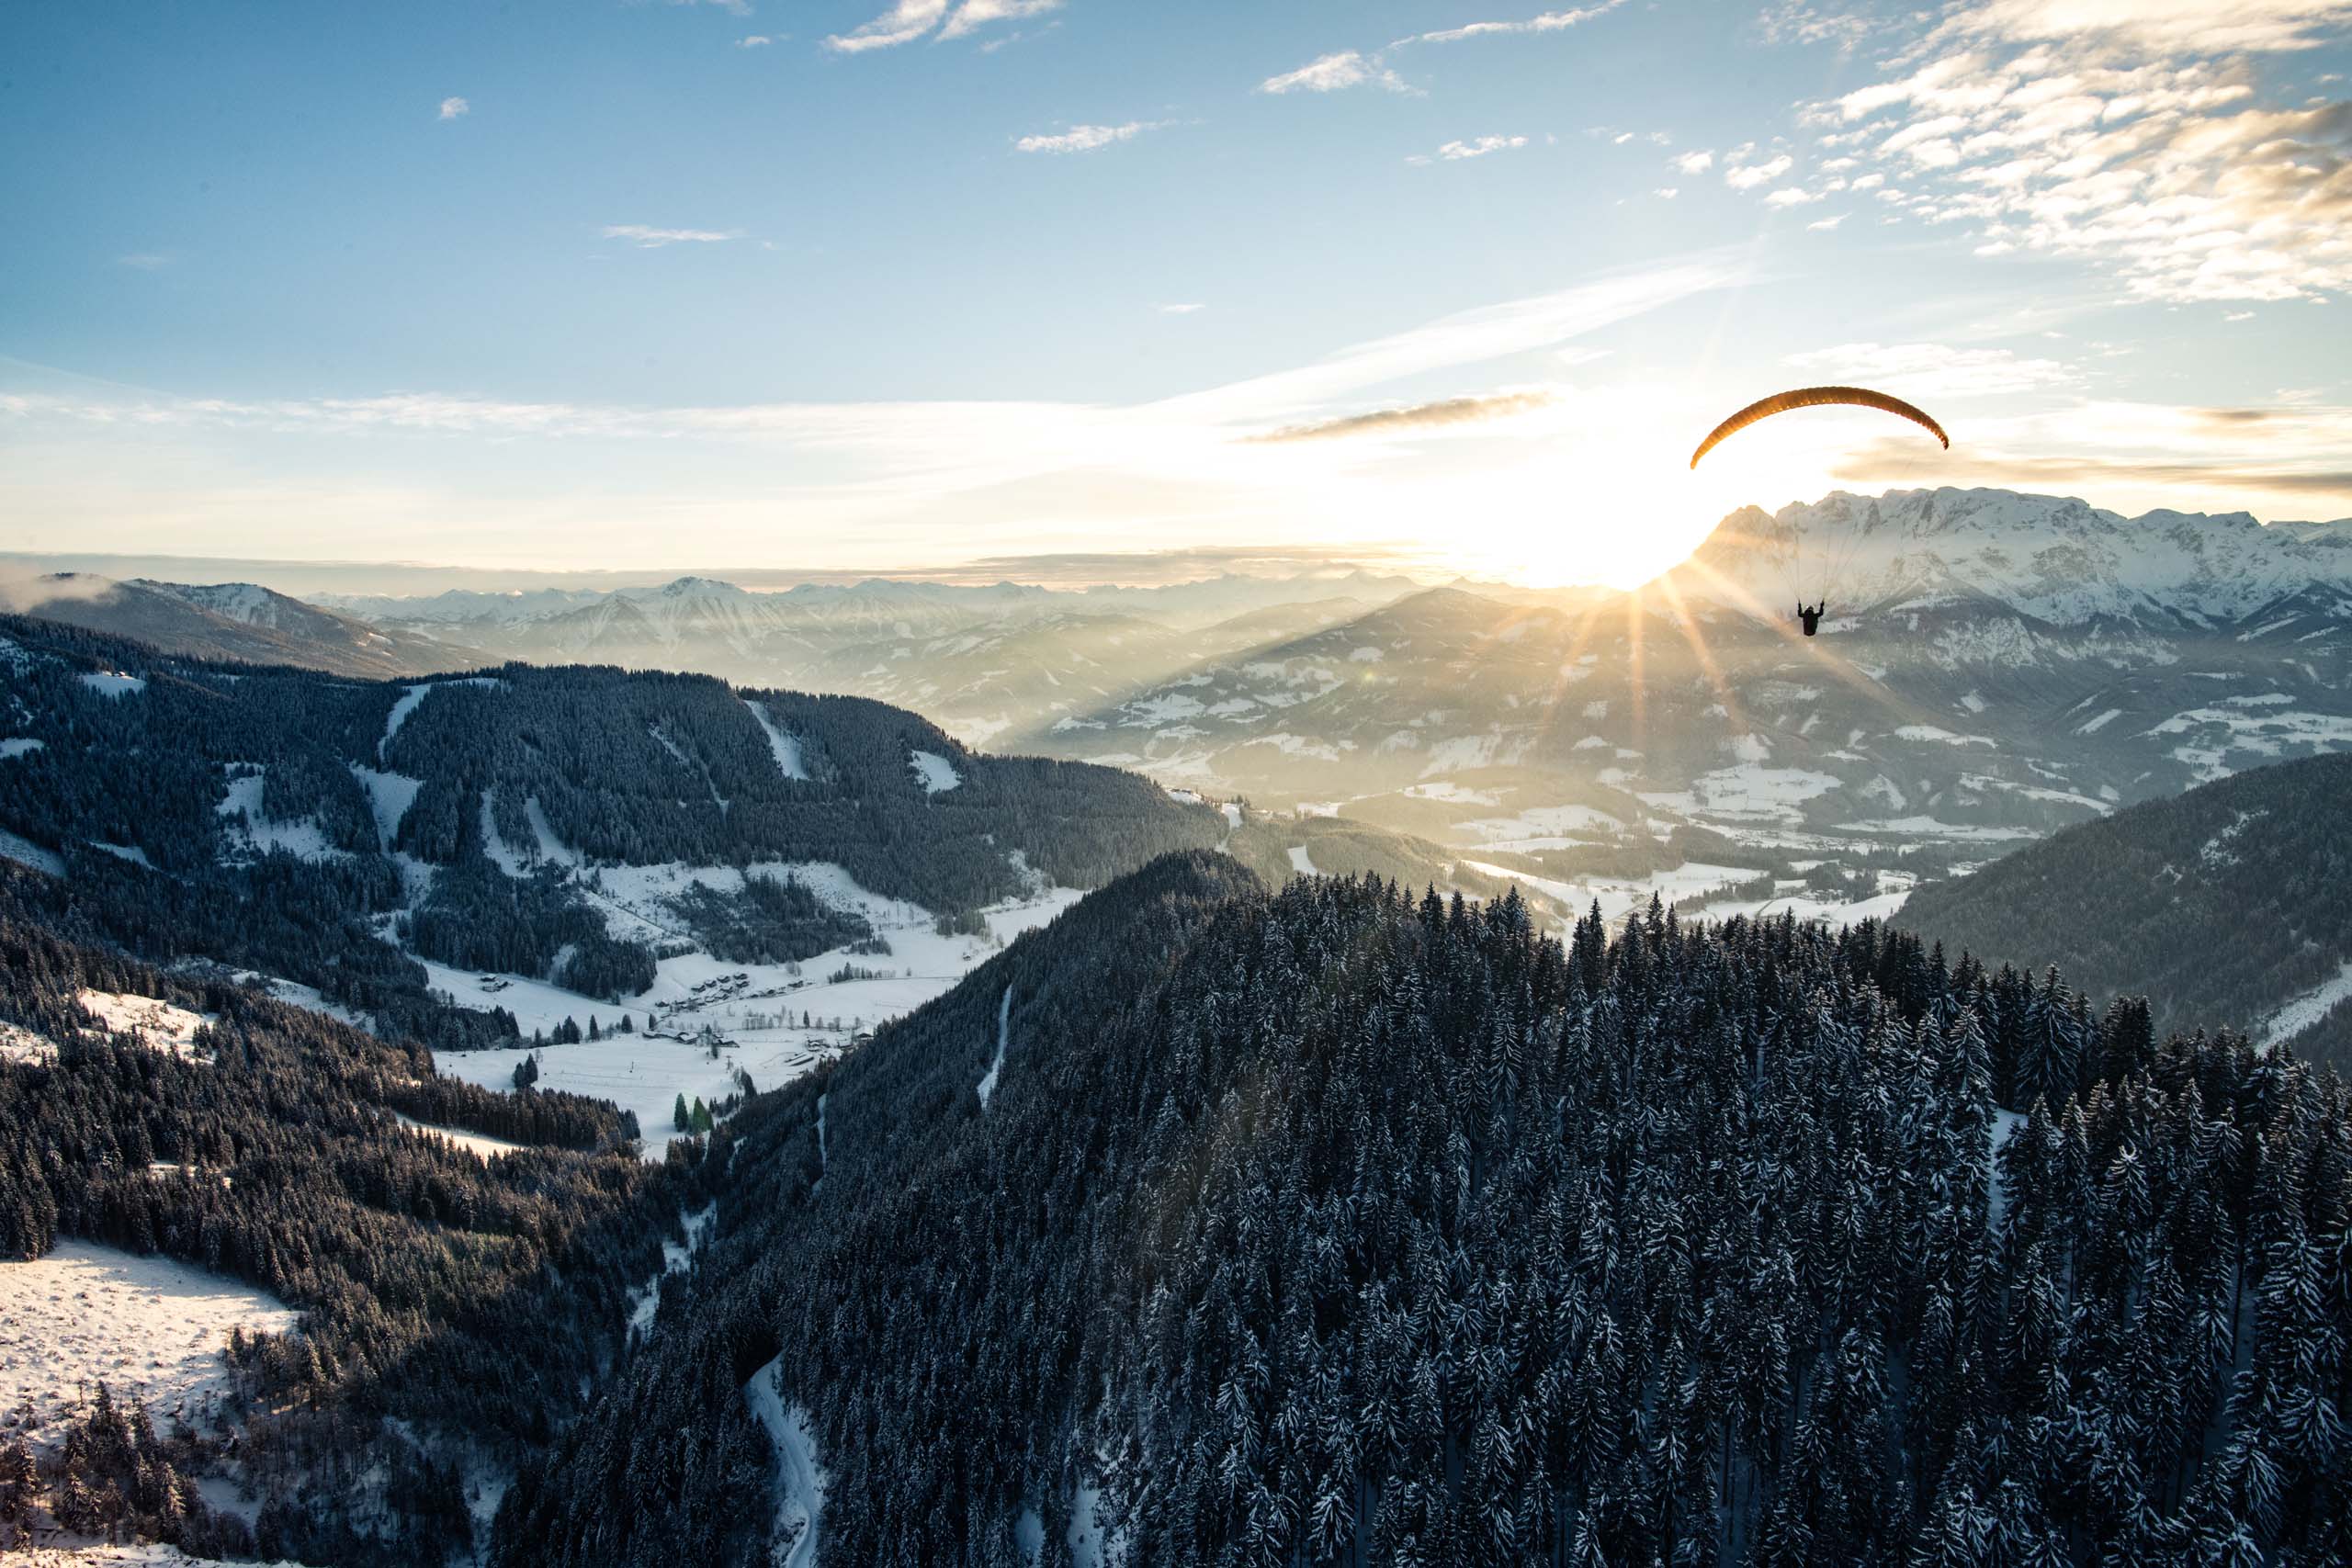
(2055, 558)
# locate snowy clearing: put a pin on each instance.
(481, 1145)
(799, 1480)
(253, 833)
(934, 772)
(391, 795)
(782, 746)
(151, 1328)
(1301, 862)
(152, 1023)
(20, 745)
(24, 852)
(114, 682)
(2301, 1012)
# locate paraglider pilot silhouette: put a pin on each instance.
(1806, 398)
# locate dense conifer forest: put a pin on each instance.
(454, 1309)
(1346, 1226)
(2132, 904)
(288, 821)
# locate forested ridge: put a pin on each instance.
(1347, 1227)
(452, 1307)
(287, 821)
(2217, 905)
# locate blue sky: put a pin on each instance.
(856, 285)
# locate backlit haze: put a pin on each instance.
(1440, 286)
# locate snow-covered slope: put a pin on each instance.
(2055, 559)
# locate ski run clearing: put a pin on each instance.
(799, 1481)
(152, 1329)
(1003, 1040)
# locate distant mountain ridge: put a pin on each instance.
(2230, 905)
(239, 622)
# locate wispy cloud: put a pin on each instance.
(910, 19)
(754, 40)
(1184, 309)
(1747, 176)
(455, 108)
(1694, 163)
(2126, 133)
(975, 14)
(1419, 416)
(650, 238)
(1086, 138)
(1474, 147)
(1824, 225)
(1930, 369)
(1334, 72)
(1547, 22)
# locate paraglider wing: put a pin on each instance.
(1816, 397)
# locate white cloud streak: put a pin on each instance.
(1479, 146)
(1547, 22)
(1337, 72)
(455, 108)
(910, 20)
(649, 238)
(1086, 138)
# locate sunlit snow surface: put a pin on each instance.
(156, 1024)
(151, 1328)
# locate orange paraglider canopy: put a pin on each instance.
(1817, 396)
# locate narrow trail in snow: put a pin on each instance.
(822, 1156)
(1004, 1039)
(800, 1482)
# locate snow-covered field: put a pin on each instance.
(757, 1007)
(150, 1328)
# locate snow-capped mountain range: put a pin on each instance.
(2057, 559)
